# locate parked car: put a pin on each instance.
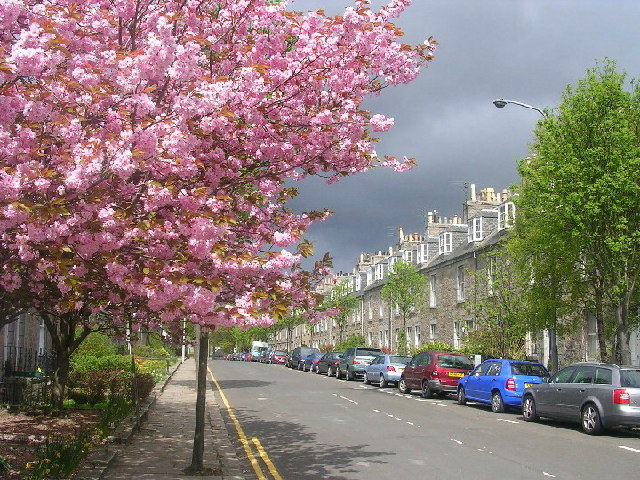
(385, 369)
(351, 364)
(278, 357)
(434, 373)
(328, 363)
(500, 382)
(310, 362)
(298, 354)
(597, 395)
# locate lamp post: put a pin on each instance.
(501, 102)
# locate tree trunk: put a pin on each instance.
(553, 350)
(602, 340)
(622, 347)
(197, 459)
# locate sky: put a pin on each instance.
(523, 50)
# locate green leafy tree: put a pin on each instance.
(498, 322)
(582, 185)
(405, 289)
(343, 302)
(356, 340)
(289, 322)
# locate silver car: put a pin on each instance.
(597, 395)
(385, 369)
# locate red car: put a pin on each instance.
(278, 357)
(434, 373)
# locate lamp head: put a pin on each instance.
(500, 103)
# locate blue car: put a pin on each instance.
(500, 382)
(385, 369)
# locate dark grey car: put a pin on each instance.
(353, 361)
(328, 363)
(597, 395)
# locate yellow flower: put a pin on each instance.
(29, 464)
(57, 454)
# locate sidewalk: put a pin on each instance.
(162, 447)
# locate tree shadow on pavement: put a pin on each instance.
(300, 455)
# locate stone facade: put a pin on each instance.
(449, 253)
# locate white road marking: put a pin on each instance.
(457, 441)
(262, 398)
(349, 400)
(548, 475)
(377, 411)
(635, 450)
(397, 418)
(505, 420)
(409, 423)
(389, 415)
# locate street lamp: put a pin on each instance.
(501, 102)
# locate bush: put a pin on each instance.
(92, 379)
(96, 345)
(351, 341)
(58, 458)
(437, 346)
(156, 368)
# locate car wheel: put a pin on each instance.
(497, 405)
(402, 386)
(462, 398)
(383, 382)
(365, 379)
(349, 375)
(426, 390)
(329, 372)
(529, 412)
(591, 423)
(338, 373)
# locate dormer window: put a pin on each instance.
(506, 215)
(445, 243)
(475, 230)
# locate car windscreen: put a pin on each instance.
(371, 352)
(399, 359)
(630, 378)
(308, 350)
(455, 361)
(278, 352)
(529, 369)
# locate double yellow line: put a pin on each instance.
(245, 443)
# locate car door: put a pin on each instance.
(372, 370)
(472, 381)
(570, 402)
(420, 372)
(410, 370)
(549, 394)
(489, 380)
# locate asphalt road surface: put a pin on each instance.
(314, 427)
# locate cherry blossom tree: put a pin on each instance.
(145, 145)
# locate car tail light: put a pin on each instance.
(336, 362)
(315, 361)
(510, 384)
(355, 362)
(391, 368)
(621, 397)
(435, 373)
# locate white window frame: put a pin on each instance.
(491, 272)
(460, 283)
(418, 335)
(370, 307)
(432, 291)
(445, 242)
(456, 335)
(506, 215)
(475, 231)
(381, 307)
(432, 330)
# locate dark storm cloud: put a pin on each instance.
(526, 50)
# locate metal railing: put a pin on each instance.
(27, 362)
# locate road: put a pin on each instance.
(315, 427)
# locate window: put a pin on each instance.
(445, 243)
(475, 230)
(456, 335)
(585, 375)
(369, 276)
(370, 308)
(379, 272)
(491, 272)
(417, 339)
(563, 376)
(495, 369)
(603, 376)
(409, 336)
(407, 256)
(460, 278)
(506, 215)
(370, 339)
(424, 253)
(432, 291)
(381, 307)
(432, 331)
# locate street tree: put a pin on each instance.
(340, 304)
(405, 289)
(580, 186)
(147, 145)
